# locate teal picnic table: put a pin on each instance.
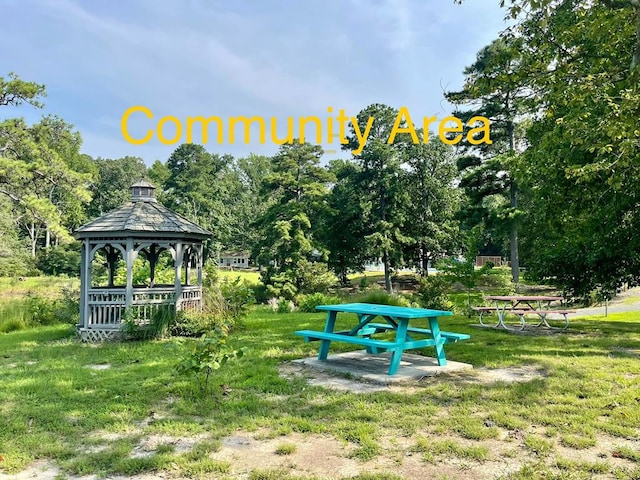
(396, 319)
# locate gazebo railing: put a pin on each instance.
(107, 306)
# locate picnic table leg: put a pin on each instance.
(501, 314)
(401, 338)
(434, 326)
(328, 328)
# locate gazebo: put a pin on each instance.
(145, 229)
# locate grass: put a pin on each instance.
(251, 276)
(12, 288)
(54, 406)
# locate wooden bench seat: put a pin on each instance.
(541, 312)
(493, 309)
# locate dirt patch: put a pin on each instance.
(148, 445)
(321, 378)
(324, 379)
(101, 366)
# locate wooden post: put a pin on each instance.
(178, 277)
(129, 288)
(200, 264)
(85, 283)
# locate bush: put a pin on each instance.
(433, 293)
(195, 324)
(158, 327)
(41, 311)
(238, 296)
(314, 277)
(60, 260)
(68, 306)
(381, 297)
(225, 303)
(209, 353)
(308, 303)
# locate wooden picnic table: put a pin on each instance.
(396, 319)
(521, 305)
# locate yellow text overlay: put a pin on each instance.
(170, 130)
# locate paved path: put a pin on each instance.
(628, 301)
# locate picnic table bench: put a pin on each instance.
(521, 305)
(396, 318)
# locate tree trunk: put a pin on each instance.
(387, 272)
(424, 259)
(515, 260)
(33, 233)
(47, 238)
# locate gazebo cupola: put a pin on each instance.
(132, 242)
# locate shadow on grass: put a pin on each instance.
(53, 404)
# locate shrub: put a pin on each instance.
(41, 311)
(68, 305)
(381, 297)
(58, 260)
(314, 277)
(225, 303)
(12, 325)
(209, 353)
(159, 325)
(308, 303)
(195, 323)
(284, 306)
(238, 296)
(433, 293)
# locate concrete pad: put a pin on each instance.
(374, 368)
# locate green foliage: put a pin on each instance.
(225, 303)
(193, 323)
(205, 356)
(238, 296)
(112, 186)
(433, 204)
(463, 270)
(308, 303)
(381, 297)
(314, 277)
(284, 306)
(298, 185)
(159, 326)
(60, 260)
(45, 177)
(35, 309)
(433, 293)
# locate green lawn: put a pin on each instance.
(58, 401)
(250, 276)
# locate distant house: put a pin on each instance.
(234, 259)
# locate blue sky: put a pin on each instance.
(273, 58)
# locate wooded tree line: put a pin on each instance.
(556, 191)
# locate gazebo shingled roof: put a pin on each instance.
(140, 217)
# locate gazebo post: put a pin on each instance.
(129, 288)
(178, 278)
(87, 282)
(200, 264)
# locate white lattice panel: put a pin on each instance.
(96, 336)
